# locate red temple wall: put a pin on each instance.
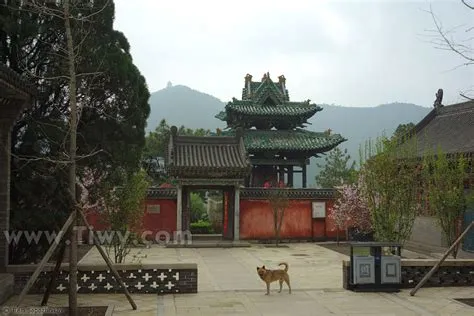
(256, 221)
(164, 221)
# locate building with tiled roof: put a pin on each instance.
(274, 133)
(450, 128)
(211, 162)
(195, 159)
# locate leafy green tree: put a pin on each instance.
(123, 211)
(336, 170)
(112, 99)
(198, 208)
(390, 185)
(402, 131)
(444, 179)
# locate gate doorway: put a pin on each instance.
(208, 163)
(209, 211)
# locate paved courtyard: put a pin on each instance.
(310, 266)
(228, 285)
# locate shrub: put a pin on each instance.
(201, 227)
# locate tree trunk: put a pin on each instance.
(275, 225)
(280, 222)
(72, 160)
(458, 232)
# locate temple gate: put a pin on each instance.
(208, 162)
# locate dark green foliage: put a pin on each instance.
(156, 144)
(336, 170)
(113, 102)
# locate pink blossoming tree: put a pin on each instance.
(350, 209)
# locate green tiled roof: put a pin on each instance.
(286, 109)
(289, 140)
(222, 115)
(266, 104)
(261, 89)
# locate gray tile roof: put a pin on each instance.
(449, 127)
(207, 156)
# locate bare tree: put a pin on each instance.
(279, 202)
(457, 40)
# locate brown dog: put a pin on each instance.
(269, 276)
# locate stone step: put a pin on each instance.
(6, 287)
(210, 244)
(207, 237)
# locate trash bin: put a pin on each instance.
(375, 266)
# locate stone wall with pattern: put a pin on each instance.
(452, 272)
(140, 279)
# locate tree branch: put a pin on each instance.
(467, 5)
(448, 44)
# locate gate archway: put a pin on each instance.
(208, 162)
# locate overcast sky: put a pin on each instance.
(351, 53)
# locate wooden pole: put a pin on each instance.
(43, 262)
(107, 260)
(446, 254)
(73, 122)
(55, 274)
(73, 268)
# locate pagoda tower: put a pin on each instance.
(274, 134)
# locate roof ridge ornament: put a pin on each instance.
(439, 99)
(174, 131)
(282, 82)
(266, 76)
(248, 85)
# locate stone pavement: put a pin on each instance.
(322, 302)
(228, 285)
(310, 266)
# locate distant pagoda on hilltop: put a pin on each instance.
(274, 133)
